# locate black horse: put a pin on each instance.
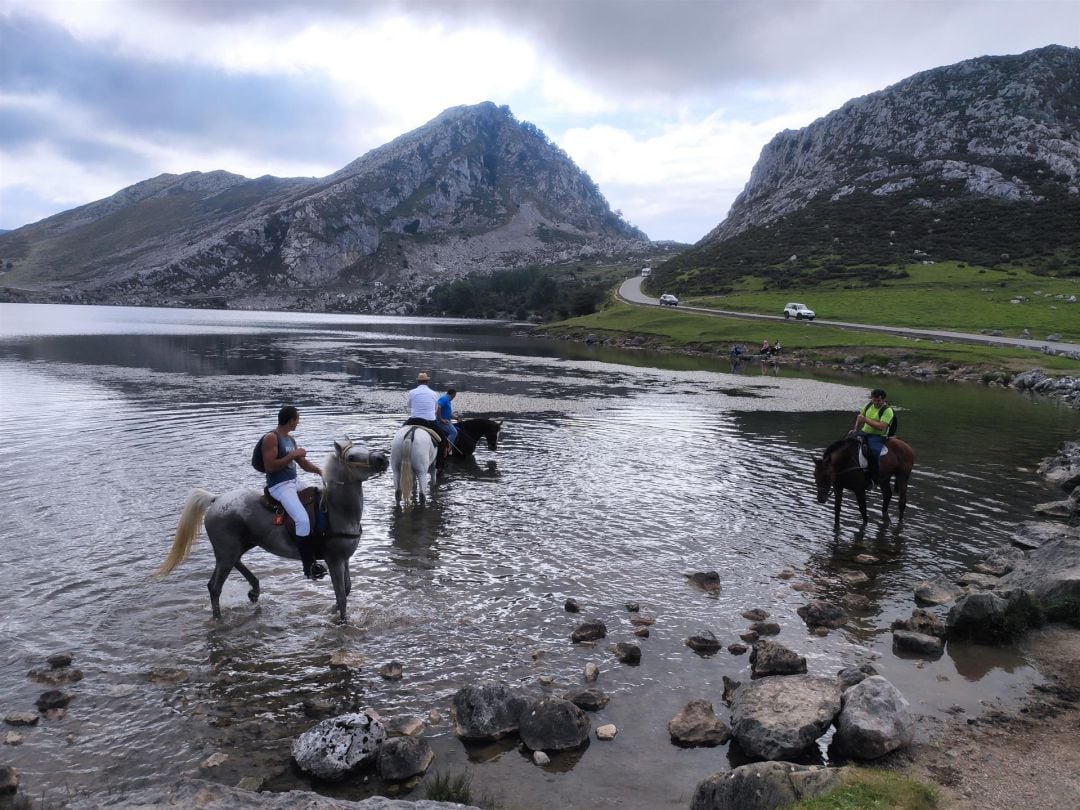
(838, 469)
(470, 431)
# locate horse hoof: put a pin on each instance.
(253, 596)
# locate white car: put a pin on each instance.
(798, 312)
(668, 300)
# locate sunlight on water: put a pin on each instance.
(611, 484)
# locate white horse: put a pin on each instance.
(412, 458)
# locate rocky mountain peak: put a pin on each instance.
(471, 191)
(992, 127)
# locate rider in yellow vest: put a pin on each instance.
(872, 426)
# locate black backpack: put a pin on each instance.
(257, 457)
(893, 425)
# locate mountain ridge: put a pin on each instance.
(471, 191)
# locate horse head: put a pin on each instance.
(491, 433)
(360, 462)
(823, 477)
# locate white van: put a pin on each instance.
(646, 272)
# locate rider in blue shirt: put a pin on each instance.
(444, 414)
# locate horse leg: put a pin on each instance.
(217, 579)
(839, 496)
(860, 496)
(348, 579)
(901, 491)
(339, 575)
(886, 496)
(253, 594)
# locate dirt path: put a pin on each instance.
(1028, 759)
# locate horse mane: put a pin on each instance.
(832, 448)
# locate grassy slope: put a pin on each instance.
(687, 330)
(947, 295)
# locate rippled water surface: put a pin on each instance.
(613, 479)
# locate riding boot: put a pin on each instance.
(313, 569)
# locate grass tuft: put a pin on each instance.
(868, 788)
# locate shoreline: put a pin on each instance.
(1035, 379)
(1026, 757)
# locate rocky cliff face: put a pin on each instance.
(996, 127)
(472, 191)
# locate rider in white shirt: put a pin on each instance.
(422, 401)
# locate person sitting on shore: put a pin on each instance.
(764, 347)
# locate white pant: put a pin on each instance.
(285, 493)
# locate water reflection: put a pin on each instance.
(975, 661)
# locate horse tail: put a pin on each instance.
(187, 530)
(406, 479)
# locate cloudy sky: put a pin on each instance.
(665, 103)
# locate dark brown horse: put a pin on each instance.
(838, 469)
(471, 431)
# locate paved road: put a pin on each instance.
(631, 293)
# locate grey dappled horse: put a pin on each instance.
(237, 522)
(412, 458)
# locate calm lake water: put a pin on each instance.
(617, 474)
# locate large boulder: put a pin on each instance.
(764, 786)
(404, 757)
(338, 745)
(554, 724)
(874, 720)
(779, 717)
(1050, 572)
(697, 724)
(992, 617)
(488, 710)
(773, 658)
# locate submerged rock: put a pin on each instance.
(591, 630)
(823, 614)
(591, 700)
(704, 642)
(937, 591)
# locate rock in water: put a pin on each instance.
(487, 711)
(404, 757)
(697, 724)
(554, 724)
(339, 745)
(779, 717)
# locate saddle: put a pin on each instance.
(441, 442)
(863, 460)
(311, 500)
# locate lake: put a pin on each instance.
(617, 474)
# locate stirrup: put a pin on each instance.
(317, 571)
